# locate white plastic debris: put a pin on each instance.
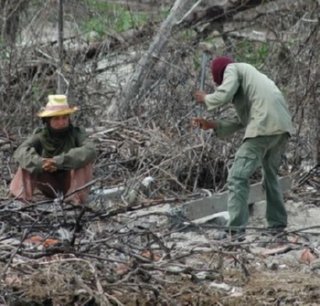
(221, 286)
(175, 269)
(64, 234)
(111, 192)
(232, 290)
(224, 215)
(147, 181)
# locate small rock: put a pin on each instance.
(307, 256)
(315, 265)
(274, 266)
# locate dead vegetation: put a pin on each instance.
(131, 250)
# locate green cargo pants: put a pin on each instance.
(264, 151)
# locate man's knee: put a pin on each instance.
(241, 170)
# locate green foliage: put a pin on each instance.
(186, 35)
(95, 24)
(252, 52)
(4, 52)
(106, 17)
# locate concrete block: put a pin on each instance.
(218, 202)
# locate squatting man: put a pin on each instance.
(57, 157)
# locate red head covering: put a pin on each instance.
(218, 65)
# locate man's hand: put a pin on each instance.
(199, 95)
(49, 165)
(203, 123)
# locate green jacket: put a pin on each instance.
(260, 106)
(73, 150)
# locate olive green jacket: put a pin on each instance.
(260, 106)
(71, 152)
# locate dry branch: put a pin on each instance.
(149, 59)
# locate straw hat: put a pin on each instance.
(57, 106)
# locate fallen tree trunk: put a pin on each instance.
(183, 14)
(135, 86)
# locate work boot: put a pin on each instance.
(232, 235)
(277, 235)
(221, 235)
(276, 231)
(239, 235)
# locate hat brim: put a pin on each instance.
(68, 111)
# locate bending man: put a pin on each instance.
(263, 113)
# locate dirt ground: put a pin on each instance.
(112, 252)
(143, 258)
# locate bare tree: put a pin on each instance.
(10, 16)
(183, 14)
(135, 86)
(60, 83)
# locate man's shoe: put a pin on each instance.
(220, 235)
(232, 235)
(276, 230)
(239, 235)
(277, 235)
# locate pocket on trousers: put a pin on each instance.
(243, 167)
